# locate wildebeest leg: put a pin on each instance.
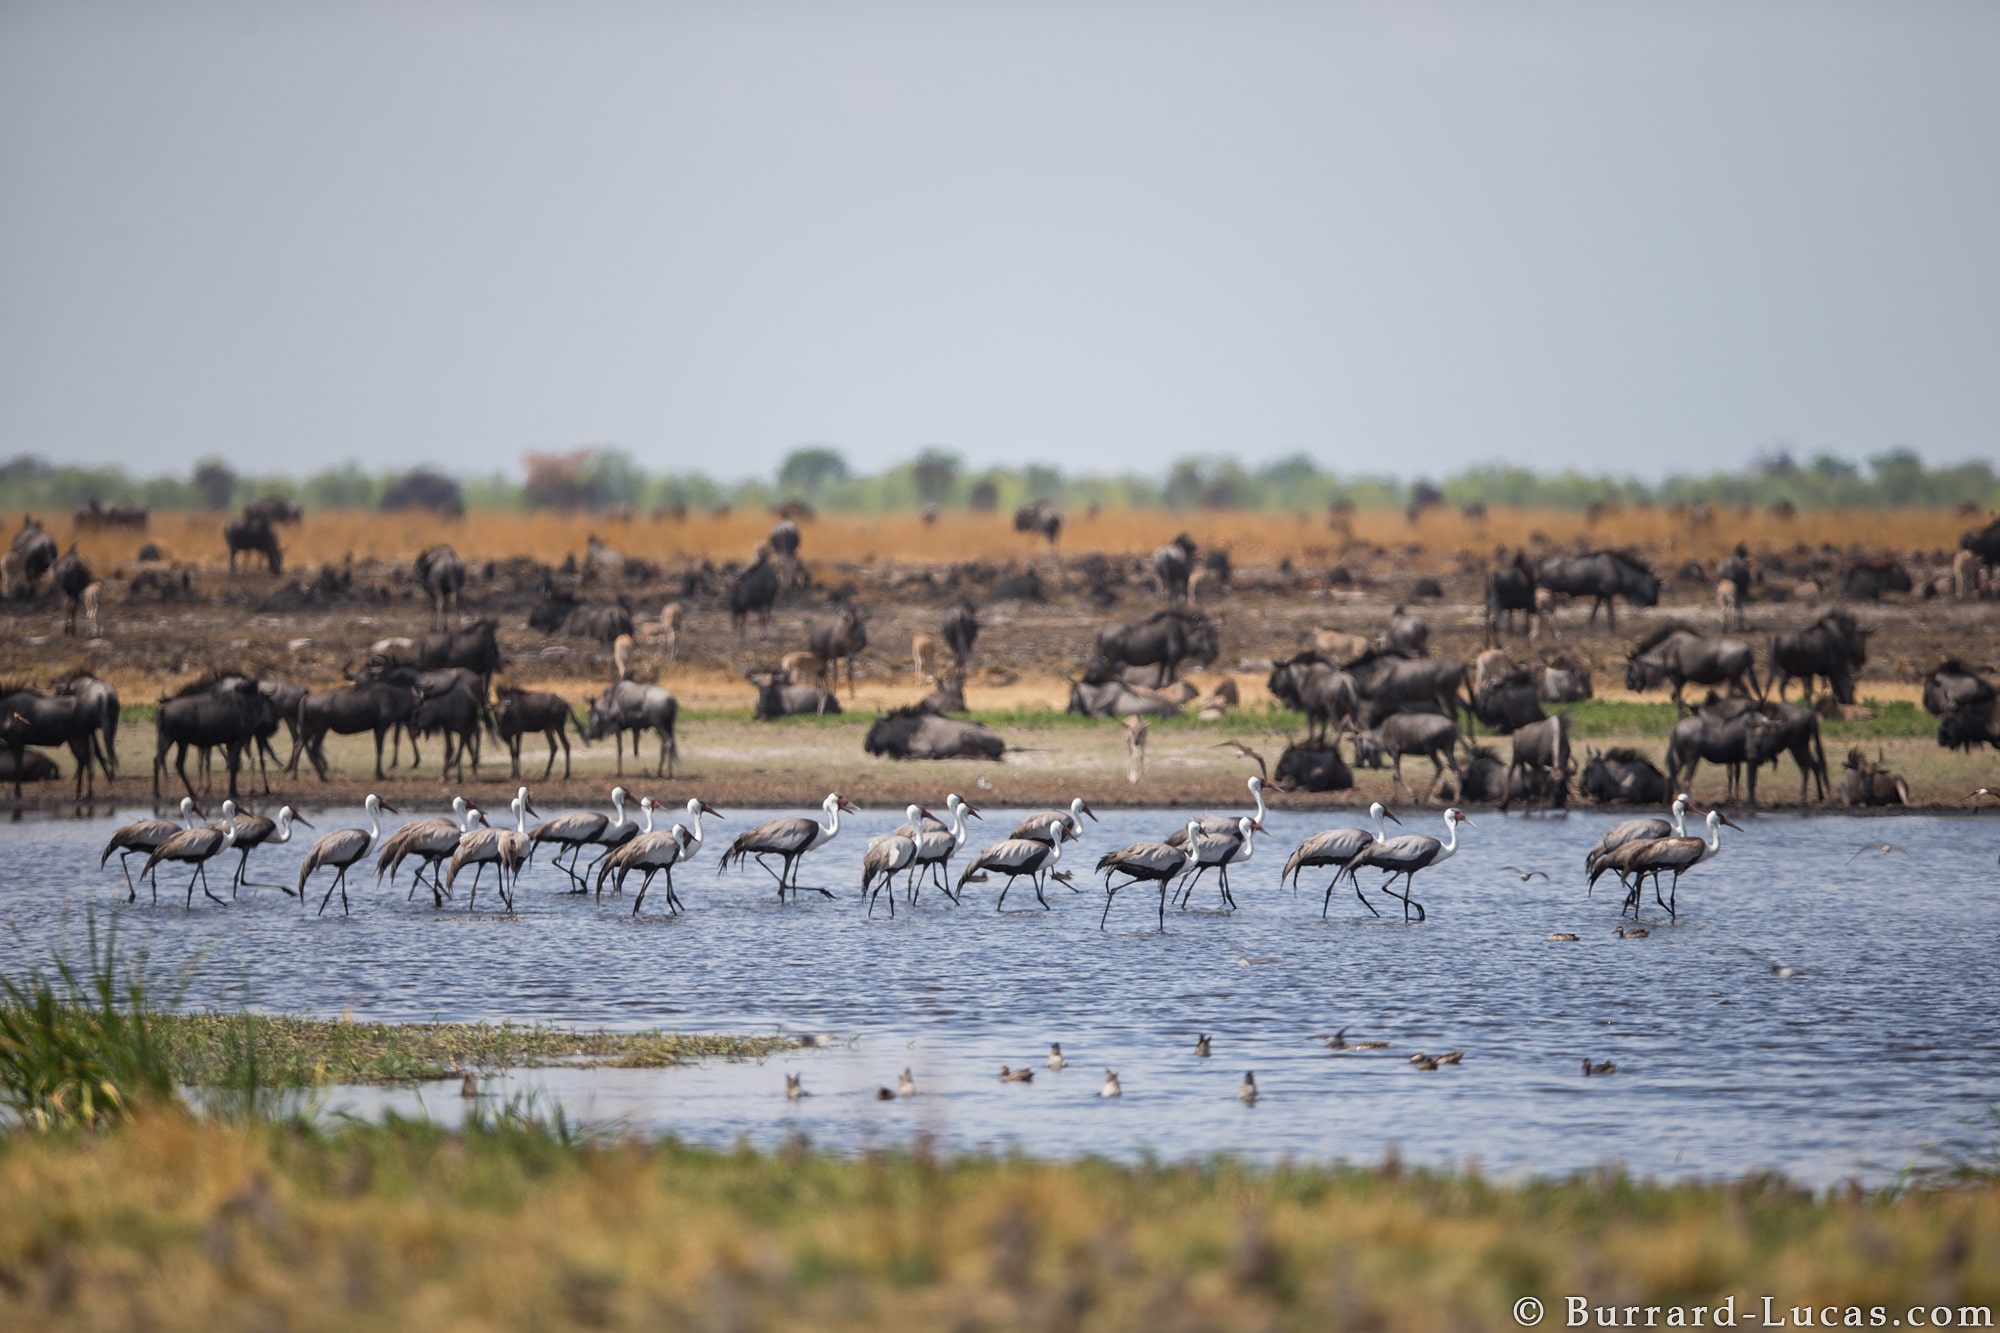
(514, 746)
(379, 774)
(562, 735)
(180, 766)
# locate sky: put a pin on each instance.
(1403, 238)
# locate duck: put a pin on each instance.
(1636, 933)
(1056, 1060)
(1201, 1045)
(884, 1095)
(1016, 1075)
(906, 1086)
(1601, 1067)
(1565, 937)
(1422, 1061)
(1110, 1088)
(1339, 1042)
(1246, 1092)
(794, 1089)
(1451, 1057)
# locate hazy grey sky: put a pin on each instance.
(1401, 237)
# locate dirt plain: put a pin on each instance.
(1291, 575)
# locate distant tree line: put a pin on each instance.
(602, 479)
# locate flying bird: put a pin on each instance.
(1883, 847)
(1526, 875)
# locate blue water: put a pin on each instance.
(1876, 1041)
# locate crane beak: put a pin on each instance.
(928, 815)
(708, 809)
(1092, 813)
(1463, 820)
(1390, 815)
(1255, 825)
(848, 805)
(969, 811)
(302, 821)
(386, 806)
(1732, 823)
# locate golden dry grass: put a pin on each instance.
(174, 1223)
(1253, 538)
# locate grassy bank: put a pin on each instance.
(174, 1223)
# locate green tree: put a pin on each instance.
(809, 470)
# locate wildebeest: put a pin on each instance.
(1834, 647)
(1041, 516)
(784, 540)
(1867, 580)
(377, 705)
(1622, 777)
(1482, 777)
(100, 698)
(517, 712)
(1100, 694)
(1953, 685)
(1602, 576)
(1969, 727)
(1399, 734)
(1866, 782)
(1748, 737)
(1172, 564)
(1508, 704)
(754, 591)
(274, 509)
(1408, 635)
(1679, 656)
(1565, 680)
(1983, 542)
(443, 575)
(1313, 768)
(776, 698)
(1168, 639)
(474, 648)
(119, 514)
(29, 717)
(630, 706)
(71, 575)
(1541, 763)
(960, 631)
(1326, 695)
(840, 636)
(1510, 589)
(917, 733)
(1387, 682)
(456, 713)
(27, 766)
(228, 712)
(254, 534)
(37, 551)
(561, 613)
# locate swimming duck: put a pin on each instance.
(793, 1088)
(1339, 1042)
(1601, 1067)
(1246, 1092)
(1201, 1045)
(1110, 1088)
(1564, 937)
(1639, 933)
(1451, 1057)
(906, 1086)
(1016, 1075)
(1056, 1060)
(1422, 1061)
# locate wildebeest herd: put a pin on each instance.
(1368, 696)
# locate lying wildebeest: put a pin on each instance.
(776, 698)
(1867, 580)
(379, 706)
(1602, 576)
(560, 613)
(37, 551)
(1168, 639)
(1313, 768)
(1834, 646)
(1172, 564)
(256, 536)
(1326, 696)
(1041, 516)
(1102, 694)
(29, 717)
(839, 637)
(1952, 685)
(1622, 777)
(1970, 726)
(1482, 780)
(1510, 589)
(225, 710)
(1565, 680)
(960, 631)
(629, 706)
(1679, 656)
(1866, 782)
(443, 575)
(755, 591)
(1541, 764)
(916, 733)
(1508, 704)
(27, 766)
(1408, 635)
(517, 712)
(118, 514)
(1399, 734)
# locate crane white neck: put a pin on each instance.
(1450, 839)
(1714, 839)
(1257, 795)
(284, 833)
(1375, 812)
(1680, 816)
(187, 812)
(372, 808)
(229, 823)
(832, 807)
(617, 807)
(461, 814)
(957, 808)
(647, 807)
(694, 813)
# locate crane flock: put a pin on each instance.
(920, 850)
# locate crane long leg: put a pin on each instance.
(1109, 894)
(673, 899)
(644, 884)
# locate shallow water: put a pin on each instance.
(1881, 1043)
